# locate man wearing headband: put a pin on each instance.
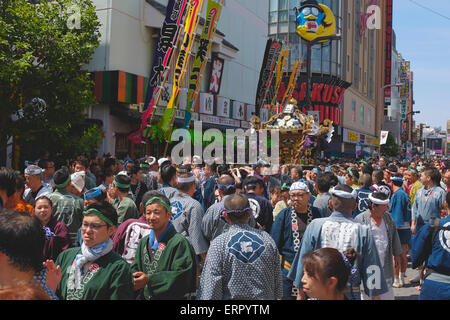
(352, 178)
(187, 214)
(213, 222)
(385, 235)
(242, 263)
(67, 207)
(93, 271)
(118, 192)
(288, 229)
(414, 182)
(35, 188)
(400, 210)
(130, 232)
(341, 231)
(164, 267)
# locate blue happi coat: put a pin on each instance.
(341, 231)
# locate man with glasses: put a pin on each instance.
(94, 271)
(288, 229)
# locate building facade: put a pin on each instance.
(121, 66)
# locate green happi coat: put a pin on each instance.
(171, 270)
(126, 209)
(108, 278)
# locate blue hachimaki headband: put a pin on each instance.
(247, 210)
(92, 193)
(226, 188)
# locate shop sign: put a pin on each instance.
(223, 107)
(206, 103)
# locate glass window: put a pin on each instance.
(273, 17)
(316, 65)
(273, 28)
(283, 27)
(273, 5)
(283, 16)
(284, 5)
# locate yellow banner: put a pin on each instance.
(190, 30)
(281, 64)
(290, 88)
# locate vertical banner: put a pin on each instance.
(168, 38)
(267, 74)
(388, 71)
(281, 68)
(212, 17)
(273, 49)
(192, 18)
(292, 81)
(216, 75)
(384, 136)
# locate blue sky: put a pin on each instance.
(424, 39)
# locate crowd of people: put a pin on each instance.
(149, 229)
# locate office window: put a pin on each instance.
(362, 115)
(353, 110)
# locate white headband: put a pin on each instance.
(185, 180)
(34, 171)
(299, 186)
(378, 201)
(151, 160)
(344, 194)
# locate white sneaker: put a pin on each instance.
(401, 281)
(396, 284)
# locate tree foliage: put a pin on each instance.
(391, 148)
(44, 49)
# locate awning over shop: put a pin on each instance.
(119, 87)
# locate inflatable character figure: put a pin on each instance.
(315, 20)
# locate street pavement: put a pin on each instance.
(408, 291)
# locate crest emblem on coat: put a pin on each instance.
(256, 208)
(177, 209)
(444, 238)
(246, 247)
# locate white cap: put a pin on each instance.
(77, 179)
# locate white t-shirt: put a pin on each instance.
(381, 239)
